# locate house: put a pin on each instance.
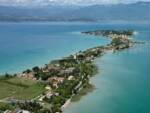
(17, 111)
(56, 81)
(41, 98)
(67, 71)
(75, 56)
(48, 87)
(50, 67)
(53, 67)
(78, 86)
(48, 94)
(70, 77)
(22, 111)
(7, 111)
(55, 84)
(28, 75)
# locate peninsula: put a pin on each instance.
(49, 89)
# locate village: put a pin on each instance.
(64, 78)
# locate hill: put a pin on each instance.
(130, 12)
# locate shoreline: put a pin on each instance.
(81, 64)
(83, 92)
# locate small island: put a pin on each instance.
(50, 89)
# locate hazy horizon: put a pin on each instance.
(65, 2)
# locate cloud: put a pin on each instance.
(63, 2)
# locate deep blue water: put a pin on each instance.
(123, 84)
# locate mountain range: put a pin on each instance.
(127, 12)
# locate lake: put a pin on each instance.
(25, 45)
(122, 86)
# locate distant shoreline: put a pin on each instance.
(98, 21)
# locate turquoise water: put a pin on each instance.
(24, 45)
(123, 84)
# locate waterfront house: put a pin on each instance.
(78, 86)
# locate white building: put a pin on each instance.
(22, 111)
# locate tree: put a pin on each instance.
(30, 106)
(7, 75)
(36, 69)
(116, 42)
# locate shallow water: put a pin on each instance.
(123, 84)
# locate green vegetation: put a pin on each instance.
(116, 42)
(89, 88)
(20, 88)
(107, 33)
(30, 106)
(64, 78)
(5, 106)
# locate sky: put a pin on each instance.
(64, 2)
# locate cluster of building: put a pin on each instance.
(28, 75)
(17, 111)
(58, 74)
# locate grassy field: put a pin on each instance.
(5, 106)
(20, 88)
